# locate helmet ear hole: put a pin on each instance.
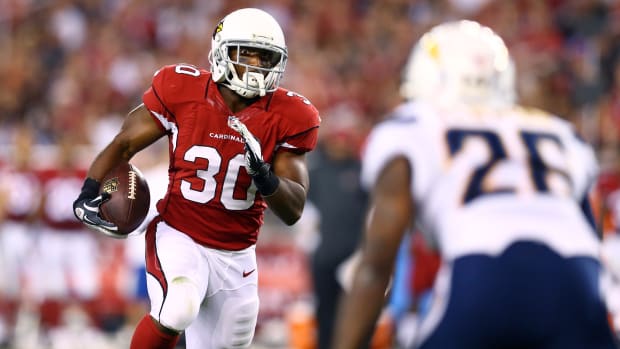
(217, 70)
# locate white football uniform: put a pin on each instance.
(485, 178)
(502, 194)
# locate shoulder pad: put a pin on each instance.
(292, 105)
(180, 83)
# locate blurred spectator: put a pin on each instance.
(67, 252)
(21, 191)
(54, 51)
(610, 115)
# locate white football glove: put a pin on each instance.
(266, 181)
(254, 163)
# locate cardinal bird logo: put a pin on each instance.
(218, 28)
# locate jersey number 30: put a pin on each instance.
(209, 183)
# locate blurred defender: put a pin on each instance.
(501, 191)
(237, 143)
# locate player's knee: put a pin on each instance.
(237, 323)
(181, 305)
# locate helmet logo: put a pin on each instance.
(218, 28)
(432, 47)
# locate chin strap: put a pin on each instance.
(256, 80)
(250, 79)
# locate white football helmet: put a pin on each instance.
(460, 62)
(253, 29)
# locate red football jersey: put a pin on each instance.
(23, 190)
(58, 185)
(210, 195)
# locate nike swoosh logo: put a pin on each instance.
(79, 212)
(91, 208)
(246, 274)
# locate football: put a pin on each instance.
(130, 198)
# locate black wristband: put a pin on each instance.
(267, 183)
(90, 189)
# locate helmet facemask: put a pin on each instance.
(256, 80)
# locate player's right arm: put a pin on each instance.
(390, 216)
(138, 131)
(145, 124)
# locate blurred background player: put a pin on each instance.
(67, 252)
(341, 203)
(237, 143)
(501, 191)
(20, 188)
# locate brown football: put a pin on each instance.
(130, 198)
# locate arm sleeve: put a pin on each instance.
(302, 142)
(153, 100)
(299, 129)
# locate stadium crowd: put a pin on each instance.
(71, 69)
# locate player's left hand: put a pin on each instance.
(266, 181)
(254, 163)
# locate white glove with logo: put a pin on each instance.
(265, 180)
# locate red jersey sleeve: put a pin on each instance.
(299, 125)
(171, 86)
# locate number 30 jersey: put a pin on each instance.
(483, 179)
(210, 195)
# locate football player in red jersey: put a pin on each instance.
(237, 143)
(20, 198)
(67, 254)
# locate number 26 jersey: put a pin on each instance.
(484, 178)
